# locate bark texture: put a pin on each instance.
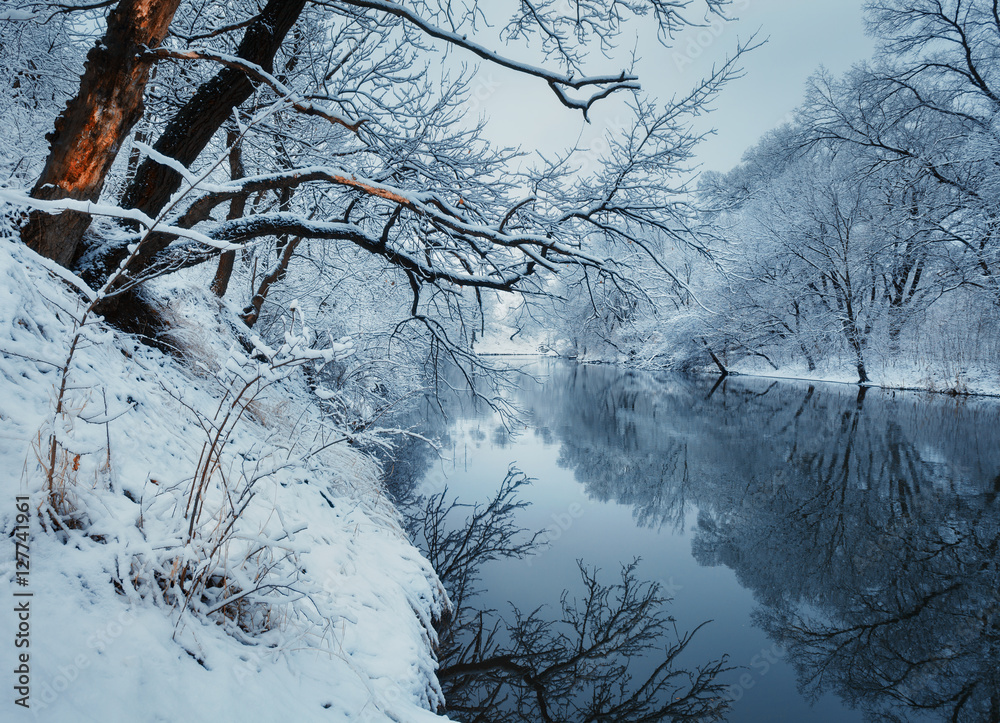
(191, 129)
(237, 206)
(252, 312)
(89, 132)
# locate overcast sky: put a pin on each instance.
(802, 35)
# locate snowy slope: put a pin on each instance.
(335, 622)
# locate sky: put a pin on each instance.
(801, 35)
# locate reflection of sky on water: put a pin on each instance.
(807, 511)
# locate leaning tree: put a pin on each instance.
(344, 123)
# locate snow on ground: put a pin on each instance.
(960, 377)
(498, 342)
(888, 374)
(336, 618)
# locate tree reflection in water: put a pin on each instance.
(865, 523)
(526, 667)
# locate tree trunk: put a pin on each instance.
(90, 130)
(252, 312)
(237, 206)
(191, 129)
(895, 330)
(858, 346)
(718, 362)
(810, 362)
(862, 372)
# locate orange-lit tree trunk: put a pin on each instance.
(189, 132)
(90, 130)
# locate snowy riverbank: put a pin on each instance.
(313, 604)
(891, 375)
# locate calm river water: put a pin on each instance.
(844, 546)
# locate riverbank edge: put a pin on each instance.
(709, 372)
(106, 642)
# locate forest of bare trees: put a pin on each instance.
(319, 151)
(859, 240)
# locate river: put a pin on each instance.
(843, 543)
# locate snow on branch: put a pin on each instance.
(557, 81)
(256, 72)
(20, 198)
